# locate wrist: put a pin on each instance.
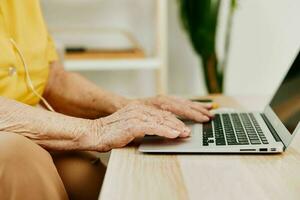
(84, 135)
(92, 139)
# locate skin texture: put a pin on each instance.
(181, 107)
(49, 129)
(71, 94)
(90, 118)
(134, 121)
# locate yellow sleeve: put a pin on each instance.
(51, 50)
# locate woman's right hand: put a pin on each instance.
(134, 120)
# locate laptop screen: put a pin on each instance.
(286, 101)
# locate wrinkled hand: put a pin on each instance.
(133, 121)
(181, 107)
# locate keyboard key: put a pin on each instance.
(207, 133)
(258, 129)
(233, 129)
(219, 133)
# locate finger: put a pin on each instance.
(201, 109)
(179, 100)
(186, 134)
(163, 117)
(205, 105)
(189, 113)
(171, 121)
(148, 114)
(184, 130)
(149, 128)
(195, 115)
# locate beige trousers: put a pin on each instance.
(27, 171)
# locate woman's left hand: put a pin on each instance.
(181, 107)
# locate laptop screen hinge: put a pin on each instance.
(272, 130)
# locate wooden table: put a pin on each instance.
(133, 175)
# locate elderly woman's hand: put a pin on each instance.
(181, 107)
(130, 122)
(149, 116)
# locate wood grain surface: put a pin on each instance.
(134, 175)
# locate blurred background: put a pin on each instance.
(140, 48)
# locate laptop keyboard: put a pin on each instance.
(233, 129)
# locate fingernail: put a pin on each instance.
(186, 129)
(176, 132)
(206, 118)
(188, 133)
(184, 134)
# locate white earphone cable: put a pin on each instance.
(28, 79)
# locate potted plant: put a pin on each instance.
(200, 20)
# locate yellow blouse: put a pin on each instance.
(23, 22)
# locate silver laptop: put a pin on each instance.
(234, 132)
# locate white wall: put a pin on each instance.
(265, 37)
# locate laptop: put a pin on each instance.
(242, 132)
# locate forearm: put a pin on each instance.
(51, 130)
(72, 94)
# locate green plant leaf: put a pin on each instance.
(200, 18)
